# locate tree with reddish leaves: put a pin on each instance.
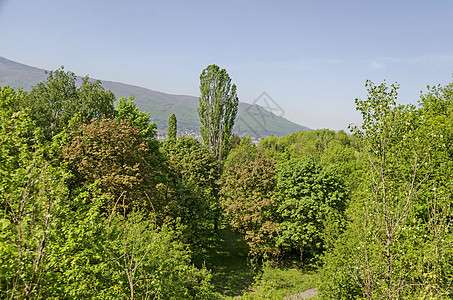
(113, 152)
(246, 196)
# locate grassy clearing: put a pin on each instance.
(279, 282)
(235, 278)
(227, 258)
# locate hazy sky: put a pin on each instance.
(311, 57)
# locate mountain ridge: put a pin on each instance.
(252, 119)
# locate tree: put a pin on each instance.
(113, 152)
(248, 182)
(218, 105)
(172, 128)
(10, 102)
(54, 102)
(127, 110)
(192, 176)
(233, 142)
(307, 196)
(150, 262)
(31, 195)
(396, 173)
(342, 152)
(398, 243)
(193, 162)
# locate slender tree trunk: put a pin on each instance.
(301, 254)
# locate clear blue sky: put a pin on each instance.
(311, 57)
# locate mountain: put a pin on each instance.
(252, 119)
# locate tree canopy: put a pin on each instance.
(248, 182)
(54, 102)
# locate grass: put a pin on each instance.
(278, 282)
(234, 278)
(227, 258)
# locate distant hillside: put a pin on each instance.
(252, 120)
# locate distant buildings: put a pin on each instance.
(162, 134)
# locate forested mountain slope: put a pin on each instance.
(252, 120)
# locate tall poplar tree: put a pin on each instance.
(217, 109)
(172, 128)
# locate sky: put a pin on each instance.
(312, 57)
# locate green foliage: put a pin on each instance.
(339, 277)
(246, 196)
(288, 207)
(242, 153)
(233, 142)
(54, 248)
(217, 109)
(327, 147)
(306, 196)
(172, 128)
(117, 257)
(152, 262)
(54, 102)
(100, 212)
(83, 268)
(10, 101)
(436, 115)
(193, 162)
(114, 153)
(191, 187)
(346, 160)
(306, 143)
(398, 243)
(31, 193)
(227, 256)
(16, 130)
(127, 110)
(84, 234)
(276, 282)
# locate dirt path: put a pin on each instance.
(307, 294)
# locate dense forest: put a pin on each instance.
(93, 206)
